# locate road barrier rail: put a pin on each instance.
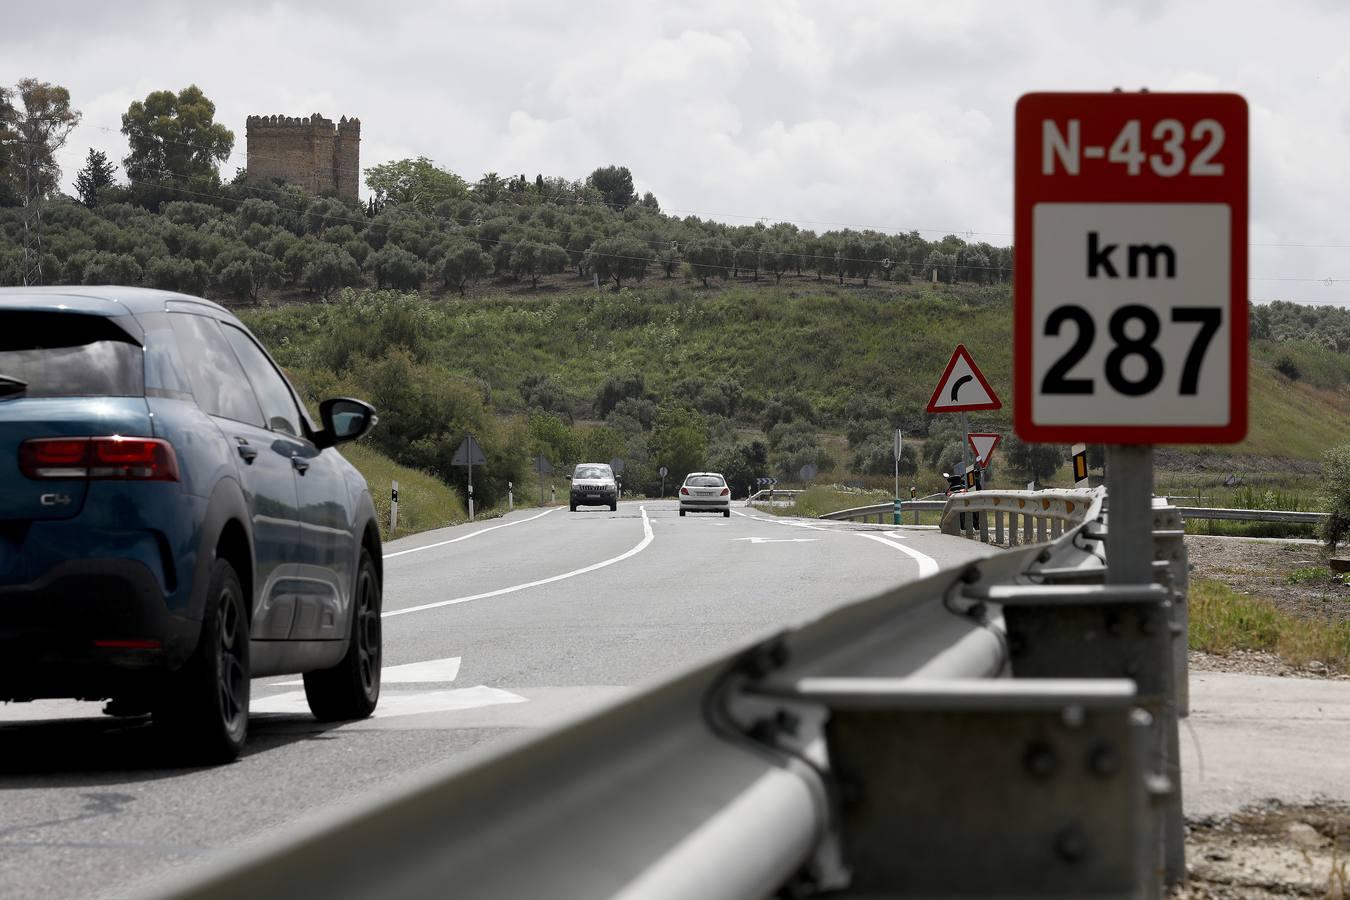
(1288, 517)
(966, 734)
(882, 512)
(773, 493)
(1043, 515)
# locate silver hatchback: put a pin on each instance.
(705, 492)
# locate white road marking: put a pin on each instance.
(430, 671)
(780, 522)
(927, 565)
(642, 545)
(764, 540)
(398, 703)
(467, 536)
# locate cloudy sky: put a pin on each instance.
(891, 115)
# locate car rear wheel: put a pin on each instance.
(726, 514)
(351, 689)
(205, 708)
(681, 512)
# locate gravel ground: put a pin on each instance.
(1269, 851)
(1267, 569)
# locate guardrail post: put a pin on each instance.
(1129, 557)
(1044, 781)
(998, 527)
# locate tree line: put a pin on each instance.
(170, 221)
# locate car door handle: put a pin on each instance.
(300, 463)
(247, 451)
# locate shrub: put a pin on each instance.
(1336, 501)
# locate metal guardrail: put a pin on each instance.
(883, 512)
(772, 493)
(1289, 517)
(1043, 515)
(965, 734)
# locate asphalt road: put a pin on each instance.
(490, 628)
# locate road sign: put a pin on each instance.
(542, 466)
(807, 472)
(469, 454)
(963, 387)
(1130, 298)
(663, 471)
(984, 444)
(616, 466)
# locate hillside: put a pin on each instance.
(789, 368)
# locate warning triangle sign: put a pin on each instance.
(963, 387)
(983, 444)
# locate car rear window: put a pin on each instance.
(62, 354)
(705, 481)
(591, 472)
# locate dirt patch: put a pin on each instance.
(1269, 851)
(1293, 576)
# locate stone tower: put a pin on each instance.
(311, 152)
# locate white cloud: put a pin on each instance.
(891, 114)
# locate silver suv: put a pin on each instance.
(593, 484)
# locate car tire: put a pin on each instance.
(726, 514)
(205, 708)
(572, 507)
(681, 512)
(614, 507)
(351, 689)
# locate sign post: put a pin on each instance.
(469, 454)
(664, 471)
(897, 476)
(1130, 303)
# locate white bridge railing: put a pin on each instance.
(993, 730)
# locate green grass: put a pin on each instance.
(817, 501)
(424, 501)
(1222, 621)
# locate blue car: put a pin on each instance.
(172, 522)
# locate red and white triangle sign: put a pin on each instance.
(983, 443)
(963, 387)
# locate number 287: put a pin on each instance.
(1057, 380)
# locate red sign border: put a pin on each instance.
(1233, 190)
(998, 439)
(979, 376)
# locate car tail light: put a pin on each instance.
(725, 491)
(685, 491)
(101, 458)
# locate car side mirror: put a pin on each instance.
(568, 477)
(344, 419)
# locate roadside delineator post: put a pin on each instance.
(393, 507)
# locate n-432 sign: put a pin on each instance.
(1130, 292)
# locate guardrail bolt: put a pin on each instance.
(1104, 761)
(1040, 760)
(1072, 844)
(787, 722)
(971, 575)
(1073, 716)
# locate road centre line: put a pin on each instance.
(927, 565)
(467, 536)
(647, 536)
